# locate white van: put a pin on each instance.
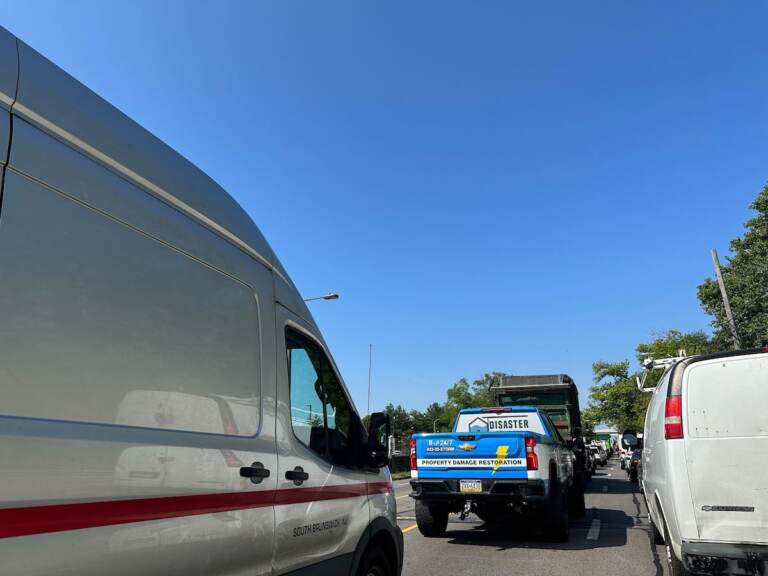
(703, 470)
(167, 403)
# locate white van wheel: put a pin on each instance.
(676, 567)
(375, 563)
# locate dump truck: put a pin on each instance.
(557, 396)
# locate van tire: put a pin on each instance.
(658, 537)
(676, 567)
(375, 563)
(555, 515)
(431, 520)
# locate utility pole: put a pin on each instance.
(726, 302)
(370, 360)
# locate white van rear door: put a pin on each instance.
(726, 439)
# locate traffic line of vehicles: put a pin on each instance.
(699, 462)
(523, 461)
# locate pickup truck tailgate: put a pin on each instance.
(480, 455)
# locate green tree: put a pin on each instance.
(402, 426)
(615, 399)
(745, 275)
(481, 389)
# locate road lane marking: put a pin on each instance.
(409, 528)
(605, 489)
(594, 530)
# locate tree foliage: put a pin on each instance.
(615, 398)
(745, 275)
(439, 417)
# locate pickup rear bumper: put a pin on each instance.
(721, 558)
(436, 490)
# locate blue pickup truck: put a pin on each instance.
(500, 463)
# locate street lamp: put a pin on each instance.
(331, 296)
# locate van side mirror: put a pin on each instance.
(377, 451)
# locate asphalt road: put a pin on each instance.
(613, 538)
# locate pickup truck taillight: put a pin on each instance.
(531, 458)
(414, 464)
(673, 418)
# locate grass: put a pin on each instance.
(401, 475)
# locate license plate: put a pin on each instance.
(470, 486)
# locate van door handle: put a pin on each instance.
(256, 472)
(297, 475)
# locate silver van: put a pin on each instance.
(703, 468)
(167, 403)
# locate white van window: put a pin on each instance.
(321, 415)
(102, 324)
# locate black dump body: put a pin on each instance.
(555, 394)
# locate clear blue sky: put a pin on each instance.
(522, 187)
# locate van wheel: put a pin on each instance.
(676, 567)
(658, 537)
(375, 563)
(431, 520)
(556, 512)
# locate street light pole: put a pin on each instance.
(370, 360)
(331, 296)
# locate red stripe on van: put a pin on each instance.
(60, 517)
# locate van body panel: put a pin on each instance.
(92, 303)
(41, 157)
(143, 305)
(9, 69)
(725, 432)
(89, 123)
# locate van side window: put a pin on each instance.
(321, 416)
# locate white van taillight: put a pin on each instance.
(531, 458)
(673, 418)
(414, 464)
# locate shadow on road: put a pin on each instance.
(613, 523)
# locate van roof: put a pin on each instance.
(676, 371)
(90, 124)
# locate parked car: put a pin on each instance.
(705, 490)
(505, 464)
(169, 405)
